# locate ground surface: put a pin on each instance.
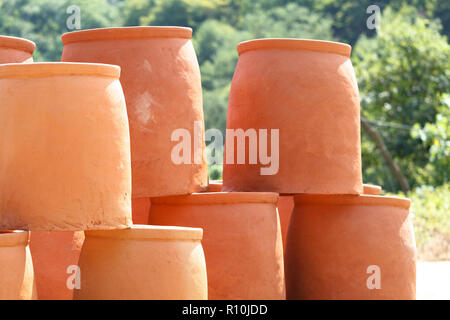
(433, 280)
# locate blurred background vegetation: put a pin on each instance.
(403, 70)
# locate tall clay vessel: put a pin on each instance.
(65, 147)
(242, 240)
(16, 267)
(161, 82)
(55, 258)
(144, 262)
(16, 50)
(350, 247)
(306, 90)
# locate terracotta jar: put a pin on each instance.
(371, 189)
(16, 50)
(144, 262)
(55, 257)
(307, 90)
(65, 147)
(242, 240)
(350, 247)
(140, 210)
(161, 82)
(16, 267)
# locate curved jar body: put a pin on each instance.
(65, 155)
(16, 50)
(297, 102)
(161, 81)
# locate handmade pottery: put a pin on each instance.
(65, 148)
(16, 50)
(140, 210)
(242, 240)
(16, 267)
(371, 189)
(301, 97)
(161, 82)
(350, 247)
(144, 262)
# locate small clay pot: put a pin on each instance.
(65, 147)
(161, 82)
(350, 247)
(307, 90)
(16, 50)
(16, 267)
(140, 208)
(371, 189)
(55, 256)
(144, 262)
(242, 240)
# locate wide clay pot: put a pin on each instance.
(161, 82)
(16, 50)
(65, 147)
(144, 262)
(16, 267)
(307, 90)
(350, 247)
(55, 258)
(242, 240)
(140, 208)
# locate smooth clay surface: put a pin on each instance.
(161, 81)
(242, 240)
(350, 247)
(16, 50)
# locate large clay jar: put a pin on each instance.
(350, 247)
(65, 147)
(16, 50)
(16, 267)
(140, 210)
(55, 259)
(242, 240)
(161, 81)
(307, 90)
(144, 262)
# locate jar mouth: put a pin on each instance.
(11, 238)
(348, 199)
(295, 44)
(17, 43)
(218, 198)
(150, 232)
(53, 69)
(126, 33)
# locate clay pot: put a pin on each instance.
(16, 50)
(339, 246)
(371, 189)
(215, 186)
(65, 155)
(308, 91)
(16, 267)
(140, 210)
(144, 262)
(242, 240)
(161, 82)
(55, 253)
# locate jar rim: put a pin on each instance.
(11, 238)
(348, 199)
(205, 198)
(17, 43)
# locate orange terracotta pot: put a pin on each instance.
(371, 189)
(350, 247)
(65, 155)
(161, 81)
(307, 90)
(16, 50)
(16, 267)
(54, 255)
(242, 240)
(144, 262)
(140, 210)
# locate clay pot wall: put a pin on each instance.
(16, 50)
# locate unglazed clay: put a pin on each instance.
(65, 147)
(55, 257)
(242, 240)
(16, 50)
(16, 267)
(339, 246)
(144, 262)
(161, 81)
(140, 210)
(307, 90)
